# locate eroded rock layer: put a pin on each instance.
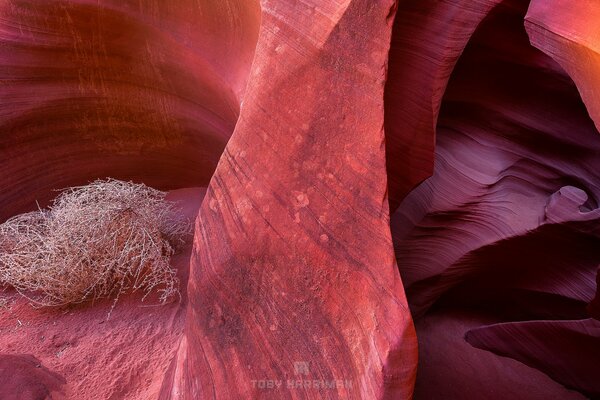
(506, 229)
(428, 38)
(490, 108)
(293, 277)
(145, 90)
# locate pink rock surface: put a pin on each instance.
(82, 353)
(293, 262)
(304, 116)
(428, 38)
(451, 368)
(568, 351)
(569, 32)
(506, 229)
(22, 377)
(513, 154)
(144, 90)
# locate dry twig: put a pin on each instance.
(95, 241)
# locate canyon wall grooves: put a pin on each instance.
(351, 149)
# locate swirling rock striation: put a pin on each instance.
(144, 90)
(569, 33)
(490, 108)
(293, 277)
(506, 229)
(428, 38)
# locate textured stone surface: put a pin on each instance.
(568, 351)
(451, 368)
(594, 306)
(146, 90)
(515, 153)
(306, 118)
(506, 229)
(428, 38)
(22, 377)
(569, 32)
(293, 261)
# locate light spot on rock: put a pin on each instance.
(324, 238)
(242, 206)
(301, 199)
(310, 165)
(377, 56)
(356, 164)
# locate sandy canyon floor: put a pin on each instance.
(121, 356)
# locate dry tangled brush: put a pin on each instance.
(95, 241)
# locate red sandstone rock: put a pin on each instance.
(568, 351)
(144, 90)
(428, 38)
(451, 368)
(293, 275)
(508, 145)
(569, 32)
(22, 377)
(507, 227)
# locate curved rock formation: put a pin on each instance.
(514, 153)
(143, 90)
(451, 368)
(569, 32)
(289, 109)
(568, 351)
(428, 38)
(506, 229)
(293, 278)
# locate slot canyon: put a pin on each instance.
(392, 199)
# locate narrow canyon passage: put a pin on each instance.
(506, 228)
(392, 199)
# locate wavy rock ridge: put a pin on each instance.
(144, 90)
(293, 261)
(468, 127)
(501, 243)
